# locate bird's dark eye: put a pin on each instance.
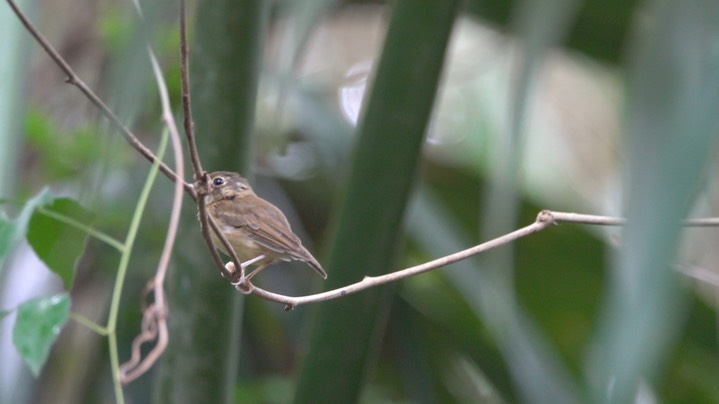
(218, 181)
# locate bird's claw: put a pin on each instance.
(244, 286)
(230, 267)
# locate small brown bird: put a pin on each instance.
(257, 230)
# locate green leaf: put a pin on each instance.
(4, 313)
(7, 229)
(38, 323)
(58, 244)
(13, 230)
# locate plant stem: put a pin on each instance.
(87, 229)
(89, 323)
(122, 269)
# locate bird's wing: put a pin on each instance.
(265, 225)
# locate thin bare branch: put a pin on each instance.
(186, 100)
(580, 218)
(133, 368)
(702, 222)
(545, 219)
(179, 167)
(154, 325)
(202, 184)
(73, 79)
(155, 316)
(207, 225)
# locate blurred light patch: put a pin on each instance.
(298, 161)
(570, 156)
(351, 92)
(452, 119)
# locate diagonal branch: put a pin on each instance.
(73, 79)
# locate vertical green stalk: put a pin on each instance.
(122, 269)
(346, 335)
(671, 135)
(13, 74)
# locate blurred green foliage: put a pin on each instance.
(60, 155)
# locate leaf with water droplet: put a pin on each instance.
(37, 325)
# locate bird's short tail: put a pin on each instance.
(317, 267)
